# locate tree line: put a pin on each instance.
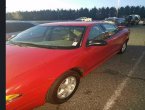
(71, 14)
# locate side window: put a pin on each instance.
(111, 28)
(96, 33)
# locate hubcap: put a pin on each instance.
(123, 47)
(66, 87)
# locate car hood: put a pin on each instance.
(22, 59)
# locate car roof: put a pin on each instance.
(73, 23)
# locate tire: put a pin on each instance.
(54, 94)
(123, 48)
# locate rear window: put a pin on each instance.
(111, 28)
(16, 27)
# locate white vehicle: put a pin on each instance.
(84, 19)
(133, 19)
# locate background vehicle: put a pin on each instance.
(84, 19)
(133, 19)
(117, 21)
(62, 54)
(15, 27)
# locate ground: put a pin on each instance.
(118, 84)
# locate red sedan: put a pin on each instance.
(45, 63)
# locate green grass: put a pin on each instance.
(137, 35)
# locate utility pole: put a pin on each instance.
(117, 8)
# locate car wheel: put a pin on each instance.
(63, 88)
(123, 48)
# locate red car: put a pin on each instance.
(45, 63)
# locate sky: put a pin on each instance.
(31, 5)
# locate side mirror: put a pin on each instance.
(97, 43)
(121, 27)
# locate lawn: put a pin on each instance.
(137, 35)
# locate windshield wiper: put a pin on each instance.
(12, 42)
(35, 45)
(21, 44)
(30, 44)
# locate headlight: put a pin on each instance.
(10, 98)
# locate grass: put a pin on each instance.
(137, 35)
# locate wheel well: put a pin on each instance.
(127, 40)
(78, 70)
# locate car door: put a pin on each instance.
(95, 54)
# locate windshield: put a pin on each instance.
(51, 36)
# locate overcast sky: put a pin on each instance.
(29, 5)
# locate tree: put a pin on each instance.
(62, 14)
